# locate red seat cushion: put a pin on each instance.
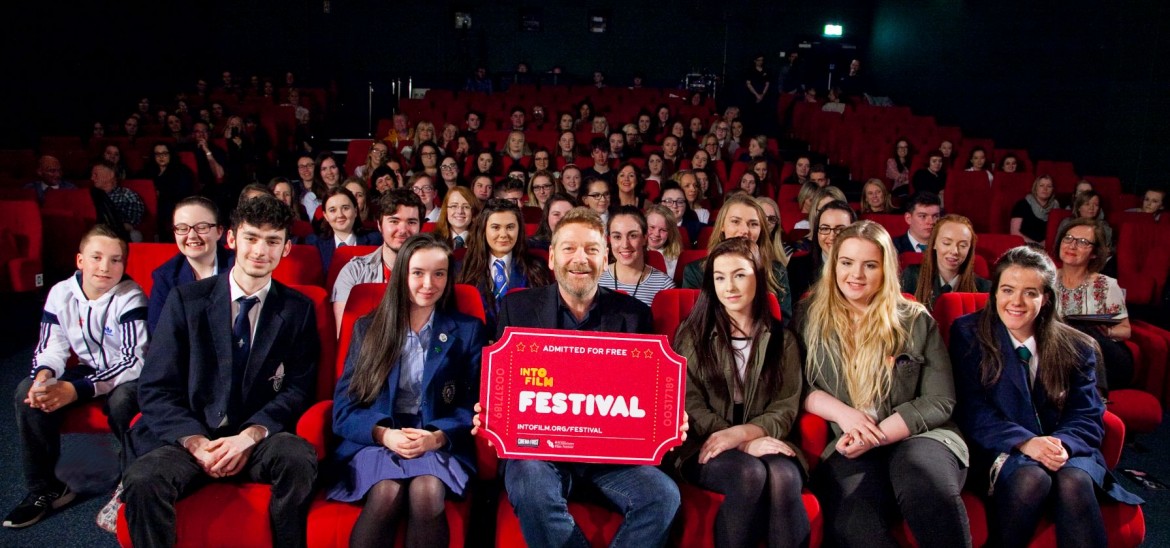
(695, 524)
(220, 514)
(1138, 409)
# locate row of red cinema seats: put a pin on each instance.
(236, 514)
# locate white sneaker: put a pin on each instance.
(107, 518)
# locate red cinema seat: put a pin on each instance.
(144, 259)
(1143, 261)
(302, 266)
(329, 522)
(341, 257)
(1064, 175)
(145, 189)
(895, 224)
(21, 246)
(686, 257)
(66, 216)
(966, 194)
(1054, 218)
(704, 236)
(656, 260)
(991, 246)
(356, 153)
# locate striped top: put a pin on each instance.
(645, 290)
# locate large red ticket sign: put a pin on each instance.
(582, 396)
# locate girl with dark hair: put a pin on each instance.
(485, 164)
(406, 436)
(978, 161)
(554, 208)
(878, 372)
(629, 272)
(449, 176)
(566, 149)
(898, 165)
(948, 264)
(743, 394)
(497, 258)
(173, 180)
(630, 186)
(327, 176)
(1028, 403)
(804, 269)
(426, 160)
(341, 226)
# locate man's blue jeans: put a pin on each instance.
(538, 490)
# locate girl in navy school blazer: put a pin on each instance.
(387, 451)
(1032, 449)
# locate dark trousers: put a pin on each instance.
(761, 498)
(40, 432)
(157, 480)
(919, 477)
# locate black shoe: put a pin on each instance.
(35, 506)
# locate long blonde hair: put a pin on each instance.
(866, 346)
(673, 247)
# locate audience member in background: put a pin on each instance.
(853, 83)
(456, 215)
(402, 409)
(1010, 163)
(197, 231)
(472, 122)
(947, 151)
(877, 370)
(479, 81)
(243, 159)
(1082, 290)
(48, 177)
(821, 197)
(922, 212)
(804, 197)
(254, 190)
(99, 316)
(833, 101)
(898, 165)
(800, 171)
(306, 168)
(599, 153)
(875, 198)
(780, 250)
(948, 264)
(630, 186)
(376, 157)
(671, 154)
(340, 227)
(554, 208)
(112, 155)
(358, 188)
(675, 199)
(497, 258)
(400, 217)
(743, 393)
(570, 180)
(327, 176)
(512, 189)
(542, 160)
(597, 196)
(1029, 216)
(633, 140)
(761, 98)
(209, 161)
(662, 235)
(481, 186)
(819, 175)
(742, 217)
(629, 272)
(515, 153)
(932, 178)
(978, 161)
(201, 422)
(538, 490)
(485, 164)
(424, 187)
(656, 168)
(750, 183)
(517, 118)
(688, 181)
(1087, 205)
(284, 191)
(426, 160)
(567, 148)
(173, 181)
(1029, 405)
(617, 146)
(804, 269)
(127, 204)
(424, 132)
(541, 186)
(1153, 202)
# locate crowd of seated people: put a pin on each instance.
(546, 243)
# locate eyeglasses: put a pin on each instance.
(599, 195)
(448, 167)
(824, 230)
(429, 153)
(309, 165)
(545, 187)
(459, 207)
(1078, 242)
(161, 154)
(668, 202)
(199, 228)
(427, 188)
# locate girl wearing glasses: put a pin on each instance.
(804, 269)
(449, 176)
(197, 232)
(1083, 290)
(948, 264)
(675, 199)
(174, 182)
(878, 372)
(541, 187)
(459, 209)
(1029, 405)
(597, 197)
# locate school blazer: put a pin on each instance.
(450, 388)
(175, 272)
(185, 384)
(539, 307)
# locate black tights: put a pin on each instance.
(426, 525)
(755, 489)
(1019, 502)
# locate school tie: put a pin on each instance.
(921, 247)
(499, 279)
(458, 241)
(1026, 359)
(342, 244)
(946, 288)
(241, 347)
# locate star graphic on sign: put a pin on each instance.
(648, 353)
(636, 353)
(535, 347)
(519, 347)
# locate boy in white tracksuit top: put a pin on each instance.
(101, 317)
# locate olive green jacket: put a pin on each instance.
(711, 410)
(922, 388)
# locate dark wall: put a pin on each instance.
(1071, 80)
(73, 63)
